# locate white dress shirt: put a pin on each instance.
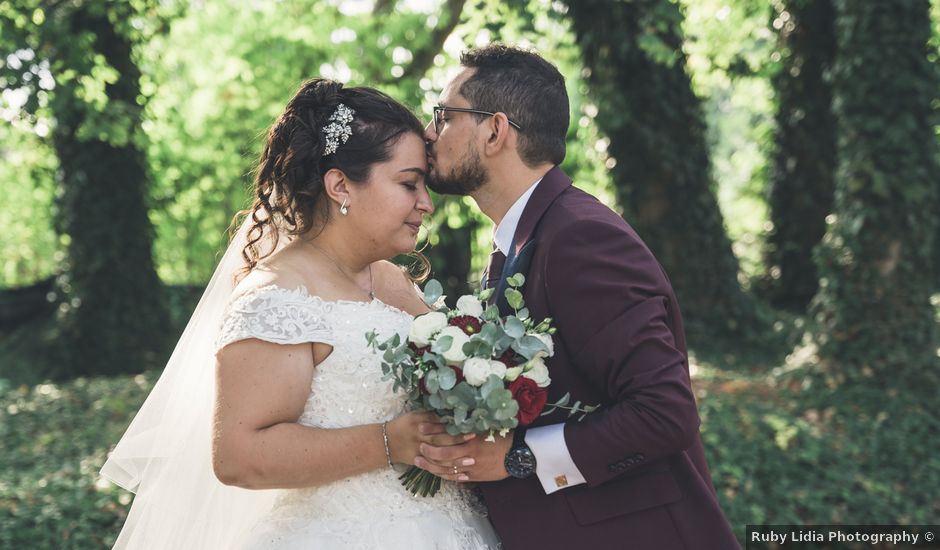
(553, 464)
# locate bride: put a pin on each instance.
(271, 426)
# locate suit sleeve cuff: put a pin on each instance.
(553, 464)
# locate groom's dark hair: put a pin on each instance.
(528, 89)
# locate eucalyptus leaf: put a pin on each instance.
(491, 313)
(466, 393)
(431, 383)
(514, 327)
(514, 298)
(442, 344)
(434, 359)
(478, 348)
(528, 346)
(432, 292)
(498, 399)
(446, 378)
(491, 384)
(489, 333)
(508, 411)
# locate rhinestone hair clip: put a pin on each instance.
(338, 131)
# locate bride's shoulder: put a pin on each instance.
(274, 306)
(272, 280)
(396, 288)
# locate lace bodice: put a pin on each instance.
(346, 390)
(347, 387)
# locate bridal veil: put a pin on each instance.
(165, 454)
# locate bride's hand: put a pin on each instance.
(407, 432)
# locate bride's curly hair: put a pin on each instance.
(288, 187)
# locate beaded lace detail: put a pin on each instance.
(347, 389)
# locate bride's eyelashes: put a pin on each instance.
(411, 186)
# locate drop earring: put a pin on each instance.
(344, 210)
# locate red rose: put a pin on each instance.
(508, 358)
(531, 399)
(469, 324)
(418, 351)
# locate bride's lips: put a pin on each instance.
(414, 226)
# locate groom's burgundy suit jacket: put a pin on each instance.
(620, 344)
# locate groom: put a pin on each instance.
(631, 474)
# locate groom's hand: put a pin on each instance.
(474, 460)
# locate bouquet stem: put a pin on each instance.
(420, 482)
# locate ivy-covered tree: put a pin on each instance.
(803, 169)
(876, 324)
(77, 67)
(659, 154)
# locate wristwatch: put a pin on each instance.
(520, 461)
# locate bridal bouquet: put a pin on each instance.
(479, 372)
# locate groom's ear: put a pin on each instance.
(335, 184)
(498, 134)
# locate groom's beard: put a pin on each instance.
(463, 179)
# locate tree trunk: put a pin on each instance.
(662, 171)
(876, 324)
(803, 170)
(113, 314)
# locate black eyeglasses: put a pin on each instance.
(439, 109)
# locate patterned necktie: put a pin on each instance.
(494, 271)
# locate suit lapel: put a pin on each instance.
(523, 246)
(553, 183)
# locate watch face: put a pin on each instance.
(520, 462)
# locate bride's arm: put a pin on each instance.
(257, 443)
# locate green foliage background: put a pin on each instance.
(215, 82)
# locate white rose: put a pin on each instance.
(536, 370)
(476, 371)
(424, 327)
(498, 368)
(549, 343)
(468, 305)
(454, 355)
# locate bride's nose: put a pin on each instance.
(425, 204)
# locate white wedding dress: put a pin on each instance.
(368, 511)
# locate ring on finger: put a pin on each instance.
(455, 470)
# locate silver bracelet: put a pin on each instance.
(388, 454)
